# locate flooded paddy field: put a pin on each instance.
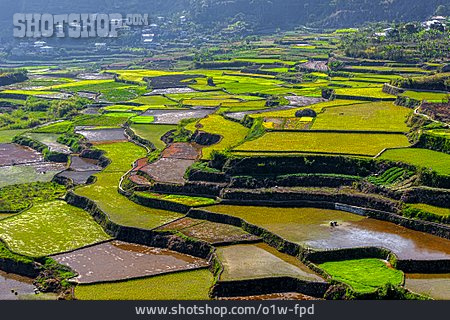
(14, 287)
(257, 261)
(27, 173)
(175, 116)
(214, 233)
(436, 286)
(81, 169)
(14, 154)
(117, 260)
(310, 227)
(102, 135)
(50, 140)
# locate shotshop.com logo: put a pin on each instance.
(74, 25)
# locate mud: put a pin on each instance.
(168, 170)
(436, 286)
(175, 116)
(102, 135)
(84, 164)
(239, 116)
(211, 232)
(301, 101)
(13, 154)
(11, 284)
(185, 151)
(95, 76)
(117, 260)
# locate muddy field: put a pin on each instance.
(117, 260)
(187, 151)
(175, 160)
(27, 173)
(103, 135)
(310, 227)
(214, 233)
(436, 286)
(169, 91)
(239, 116)
(14, 287)
(13, 154)
(81, 169)
(175, 116)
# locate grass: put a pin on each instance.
(324, 142)
(142, 119)
(444, 212)
(186, 200)
(155, 101)
(437, 161)
(192, 285)
(378, 116)
(59, 127)
(232, 133)
(364, 275)
(100, 120)
(104, 191)
(49, 228)
(6, 136)
(389, 177)
(153, 133)
(375, 93)
(242, 262)
(19, 197)
(428, 96)
(318, 107)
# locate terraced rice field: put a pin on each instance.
(118, 260)
(49, 228)
(380, 116)
(445, 212)
(232, 133)
(435, 286)
(190, 285)
(104, 191)
(175, 116)
(214, 233)
(437, 161)
(27, 173)
(153, 133)
(324, 142)
(365, 275)
(6, 136)
(310, 227)
(103, 135)
(13, 154)
(242, 262)
(11, 284)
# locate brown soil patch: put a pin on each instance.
(13, 154)
(118, 260)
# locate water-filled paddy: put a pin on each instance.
(261, 261)
(11, 284)
(102, 135)
(175, 116)
(33, 172)
(436, 286)
(117, 260)
(310, 227)
(51, 141)
(14, 154)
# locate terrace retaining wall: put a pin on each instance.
(307, 255)
(160, 239)
(255, 287)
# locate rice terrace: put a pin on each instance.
(310, 163)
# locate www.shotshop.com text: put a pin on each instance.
(299, 310)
